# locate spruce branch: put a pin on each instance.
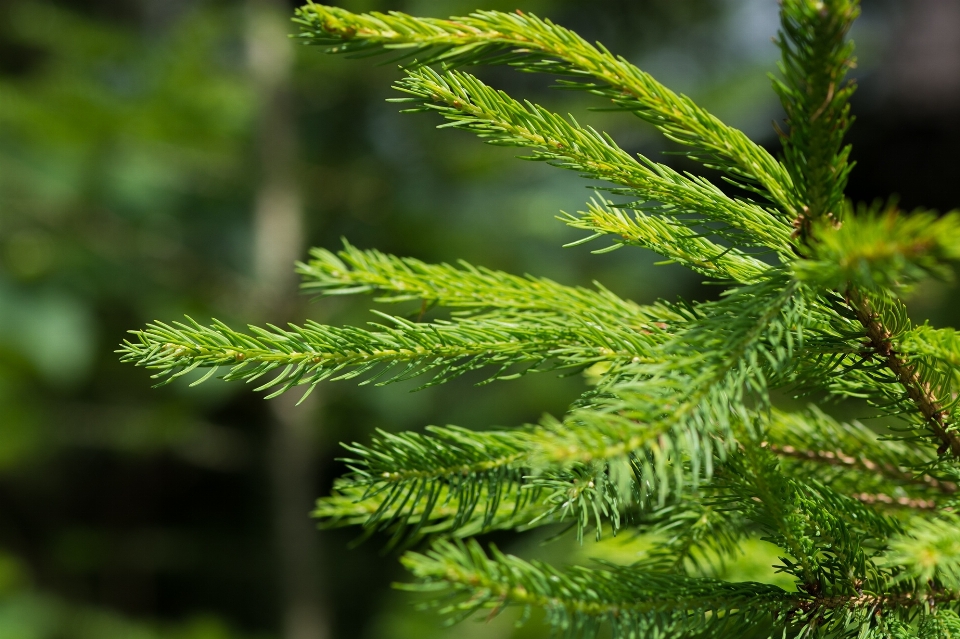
(902, 502)
(696, 534)
(855, 353)
(866, 604)
(942, 624)
(668, 236)
(931, 344)
(679, 435)
(768, 497)
(450, 478)
(828, 534)
(312, 353)
(472, 288)
(679, 411)
(816, 438)
(927, 554)
(579, 600)
(910, 376)
(532, 44)
(350, 504)
(881, 248)
(815, 58)
(470, 104)
(635, 602)
(456, 481)
(937, 353)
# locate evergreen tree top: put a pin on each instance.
(682, 438)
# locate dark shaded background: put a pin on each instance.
(163, 157)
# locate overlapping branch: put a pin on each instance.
(677, 413)
(919, 390)
(881, 248)
(450, 479)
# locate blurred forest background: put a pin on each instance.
(163, 157)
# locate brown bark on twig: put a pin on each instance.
(840, 458)
(906, 373)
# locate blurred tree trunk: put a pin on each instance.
(925, 69)
(278, 239)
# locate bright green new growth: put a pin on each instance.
(681, 439)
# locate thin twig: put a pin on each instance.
(887, 500)
(917, 390)
(841, 458)
(870, 600)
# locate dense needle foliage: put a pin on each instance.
(682, 438)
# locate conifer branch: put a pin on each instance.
(874, 253)
(589, 494)
(908, 375)
(827, 533)
(684, 405)
(815, 58)
(942, 624)
(310, 354)
(579, 600)
(532, 44)
(470, 104)
(837, 457)
(668, 236)
(396, 458)
(678, 434)
(940, 345)
(881, 248)
(817, 438)
(870, 602)
(775, 504)
(472, 288)
(903, 502)
(450, 478)
(351, 504)
(927, 555)
(635, 602)
(900, 384)
(693, 531)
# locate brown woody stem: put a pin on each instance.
(906, 373)
(881, 600)
(902, 502)
(841, 458)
